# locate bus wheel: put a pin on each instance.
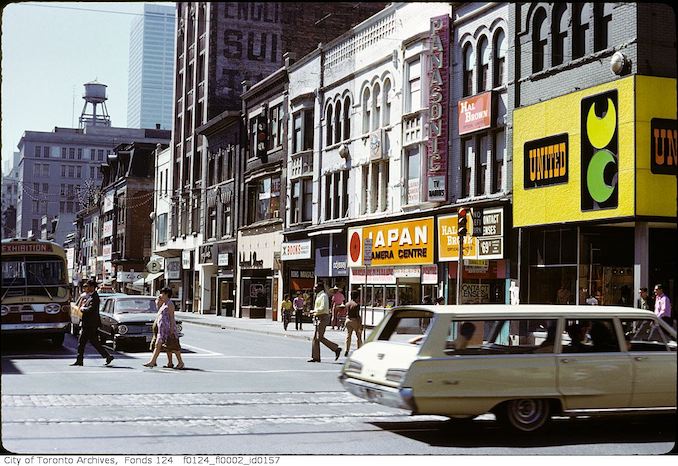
(58, 339)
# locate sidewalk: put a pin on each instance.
(265, 326)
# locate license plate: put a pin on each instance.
(26, 317)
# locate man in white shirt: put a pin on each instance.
(321, 312)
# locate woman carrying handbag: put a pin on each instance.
(167, 339)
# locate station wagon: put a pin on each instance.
(521, 363)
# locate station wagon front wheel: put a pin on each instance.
(525, 415)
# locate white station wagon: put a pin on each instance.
(523, 363)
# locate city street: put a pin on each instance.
(251, 393)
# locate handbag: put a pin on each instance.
(172, 343)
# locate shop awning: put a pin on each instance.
(148, 279)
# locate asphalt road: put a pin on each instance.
(248, 393)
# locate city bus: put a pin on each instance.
(36, 293)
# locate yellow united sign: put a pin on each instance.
(395, 243)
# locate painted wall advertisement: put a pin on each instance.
(438, 76)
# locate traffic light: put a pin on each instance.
(262, 136)
(461, 221)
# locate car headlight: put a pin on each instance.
(179, 327)
(122, 329)
(353, 366)
(53, 308)
(395, 375)
(5, 310)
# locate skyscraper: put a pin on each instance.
(151, 51)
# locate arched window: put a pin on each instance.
(337, 121)
(328, 126)
(484, 64)
(602, 19)
(539, 40)
(581, 17)
(559, 33)
(347, 118)
(376, 106)
(499, 58)
(387, 103)
(367, 110)
(469, 64)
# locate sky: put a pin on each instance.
(49, 50)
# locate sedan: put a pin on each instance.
(128, 319)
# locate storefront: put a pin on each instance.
(298, 273)
(330, 260)
(392, 264)
(190, 281)
(258, 261)
(485, 272)
(225, 289)
(595, 193)
(207, 268)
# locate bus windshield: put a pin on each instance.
(33, 271)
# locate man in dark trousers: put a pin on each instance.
(90, 324)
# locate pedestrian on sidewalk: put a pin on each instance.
(298, 305)
(353, 322)
(90, 323)
(662, 305)
(321, 314)
(338, 299)
(168, 338)
(286, 309)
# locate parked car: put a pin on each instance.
(76, 314)
(128, 319)
(522, 363)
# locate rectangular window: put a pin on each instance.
(71, 153)
(71, 171)
(38, 151)
(297, 134)
(646, 335)
(413, 170)
(45, 152)
(79, 153)
(295, 212)
(212, 222)
(467, 161)
(62, 189)
(91, 172)
(100, 155)
(45, 169)
(63, 171)
(45, 188)
(589, 336)
(336, 197)
(498, 161)
(78, 172)
(501, 336)
(414, 85)
(307, 210)
(328, 197)
(226, 221)
(308, 130)
(482, 164)
(161, 229)
(63, 152)
(275, 129)
(92, 154)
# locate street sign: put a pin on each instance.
(367, 251)
(477, 216)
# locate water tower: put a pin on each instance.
(95, 95)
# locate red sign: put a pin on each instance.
(438, 76)
(475, 113)
(26, 247)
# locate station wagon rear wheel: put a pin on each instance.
(525, 415)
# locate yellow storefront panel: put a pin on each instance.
(395, 243)
(656, 144)
(574, 158)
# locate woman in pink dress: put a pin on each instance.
(167, 338)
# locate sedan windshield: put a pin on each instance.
(135, 305)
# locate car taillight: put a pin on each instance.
(395, 375)
(353, 366)
(52, 308)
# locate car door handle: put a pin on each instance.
(450, 382)
(640, 358)
(565, 361)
